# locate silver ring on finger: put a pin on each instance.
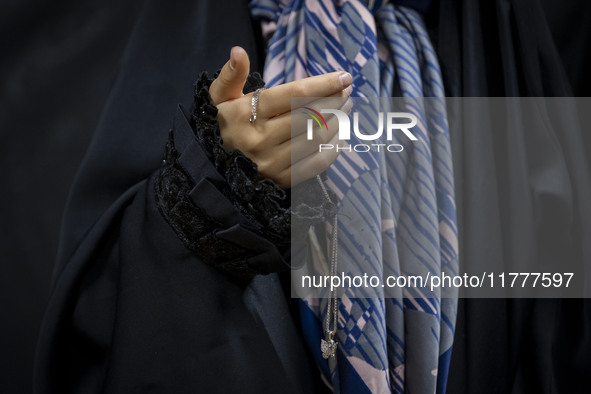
(255, 103)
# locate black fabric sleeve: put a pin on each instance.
(135, 310)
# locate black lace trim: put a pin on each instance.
(192, 225)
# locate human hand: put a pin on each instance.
(285, 158)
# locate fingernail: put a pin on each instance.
(348, 106)
(349, 90)
(346, 79)
(232, 61)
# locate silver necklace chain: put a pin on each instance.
(328, 346)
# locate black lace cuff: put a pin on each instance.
(255, 204)
(196, 229)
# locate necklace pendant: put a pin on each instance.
(329, 348)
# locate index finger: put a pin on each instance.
(277, 100)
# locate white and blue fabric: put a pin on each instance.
(403, 202)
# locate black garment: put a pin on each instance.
(132, 309)
(58, 64)
(522, 200)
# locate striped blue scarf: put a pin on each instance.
(400, 344)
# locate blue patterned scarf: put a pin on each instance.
(400, 344)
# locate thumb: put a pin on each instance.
(229, 84)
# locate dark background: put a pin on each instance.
(59, 60)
